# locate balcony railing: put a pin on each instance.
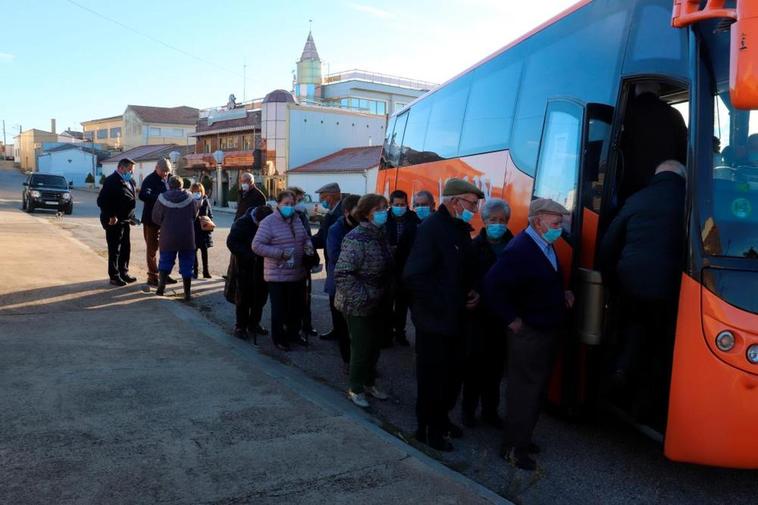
(375, 77)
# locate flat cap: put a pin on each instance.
(332, 187)
(546, 206)
(124, 161)
(455, 187)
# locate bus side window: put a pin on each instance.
(559, 155)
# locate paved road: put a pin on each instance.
(114, 396)
(603, 463)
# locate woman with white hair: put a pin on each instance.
(485, 356)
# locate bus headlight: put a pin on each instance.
(725, 341)
(752, 354)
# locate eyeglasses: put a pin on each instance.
(473, 203)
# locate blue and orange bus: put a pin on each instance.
(545, 117)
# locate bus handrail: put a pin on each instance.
(688, 12)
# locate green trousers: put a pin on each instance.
(365, 344)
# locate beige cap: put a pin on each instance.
(455, 187)
(547, 206)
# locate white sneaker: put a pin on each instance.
(376, 393)
(358, 399)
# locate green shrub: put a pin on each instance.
(90, 179)
(102, 179)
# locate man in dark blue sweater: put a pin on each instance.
(525, 289)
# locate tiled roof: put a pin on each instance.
(168, 115)
(351, 159)
(120, 116)
(149, 153)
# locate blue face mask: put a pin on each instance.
(496, 231)
(325, 204)
(398, 210)
(197, 196)
(466, 216)
(127, 176)
(423, 211)
(380, 218)
(552, 234)
(287, 210)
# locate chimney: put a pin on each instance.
(52, 126)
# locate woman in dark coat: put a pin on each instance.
(203, 238)
(249, 291)
(485, 356)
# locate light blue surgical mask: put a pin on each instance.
(423, 211)
(127, 176)
(197, 196)
(466, 216)
(325, 204)
(380, 218)
(496, 231)
(287, 210)
(399, 210)
(552, 234)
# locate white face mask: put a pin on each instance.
(245, 186)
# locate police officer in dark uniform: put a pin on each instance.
(117, 200)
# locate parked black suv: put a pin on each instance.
(47, 191)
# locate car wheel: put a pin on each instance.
(29, 207)
(23, 203)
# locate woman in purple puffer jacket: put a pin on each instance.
(283, 243)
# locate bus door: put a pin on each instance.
(388, 167)
(651, 127)
(571, 170)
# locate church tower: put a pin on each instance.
(308, 71)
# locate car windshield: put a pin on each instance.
(49, 181)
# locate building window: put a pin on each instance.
(88, 136)
(173, 132)
(115, 132)
(154, 132)
(247, 142)
(102, 133)
(230, 143)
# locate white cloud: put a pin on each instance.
(371, 11)
(7, 57)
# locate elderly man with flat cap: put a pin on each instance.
(525, 289)
(330, 198)
(439, 276)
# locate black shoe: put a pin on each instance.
(258, 329)
(328, 336)
(240, 333)
(194, 275)
(283, 347)
(468, 419)
(162, 276)
(493, 420)
(532, 448)
(128, 278)
(310, 332)
(152, 282)
(187, 284)
(454, 431)
(169, 280)
(436, 441)
(118, 281)
(302, 339)
(206, 275)
(521, 459)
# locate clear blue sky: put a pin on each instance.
(59, 60)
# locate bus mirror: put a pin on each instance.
(743, 67)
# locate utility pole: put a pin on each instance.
(244, 80)
(4, 142)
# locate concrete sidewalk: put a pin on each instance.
(116, 396)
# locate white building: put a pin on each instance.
(355, 169)
(72, 161)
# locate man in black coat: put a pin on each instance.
(642, 254)
(439, 278)
(117, 200)
(330, 197)
(152, 187)
(401, 232)
(250, 197)
(246, 269)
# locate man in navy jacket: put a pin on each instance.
(152, 187)
(525, 289)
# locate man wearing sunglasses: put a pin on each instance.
(439, 277)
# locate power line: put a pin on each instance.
(150, 37)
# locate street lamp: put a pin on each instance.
(219, 157)
(174, 157)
